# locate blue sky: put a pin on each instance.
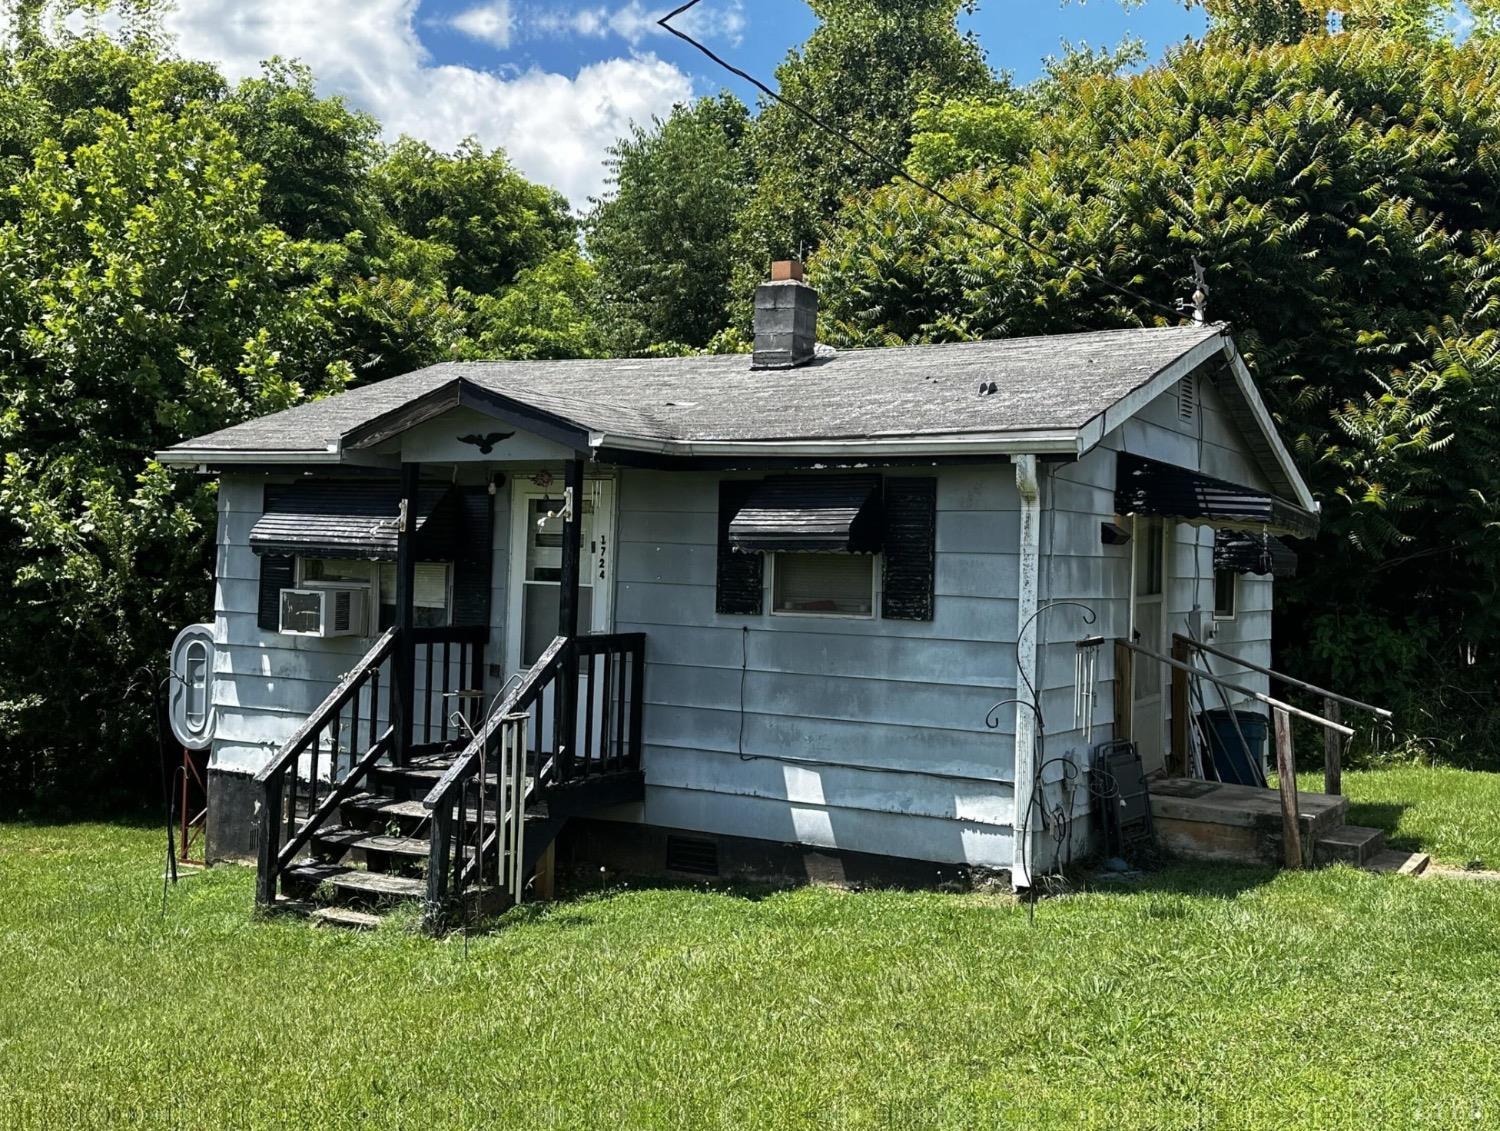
(1017, 35)
(555, 81)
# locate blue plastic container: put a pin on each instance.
(1238, 761)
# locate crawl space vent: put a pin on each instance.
(691, 855)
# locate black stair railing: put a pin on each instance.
(474, 810)
(332, 754)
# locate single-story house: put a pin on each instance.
(754, 606)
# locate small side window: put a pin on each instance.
(1226, 594)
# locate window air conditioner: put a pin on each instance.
(324, 612)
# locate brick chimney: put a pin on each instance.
(786, 319)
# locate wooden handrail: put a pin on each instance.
(336, 797)
(1251, 693)
(1290, 681)
(347, 688)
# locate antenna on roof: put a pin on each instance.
(1201, 290)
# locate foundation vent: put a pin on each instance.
(692, 855)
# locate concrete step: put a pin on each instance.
(1396, 861)
(1349, 844)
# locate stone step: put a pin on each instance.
(1349, 844)
(346, 917)
(1396, 861)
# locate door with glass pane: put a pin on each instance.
(536, 579)
(1148, 625)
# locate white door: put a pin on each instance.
(536, 580)
(1148, 628)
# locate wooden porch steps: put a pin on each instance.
(1203, 820)
(372, 856)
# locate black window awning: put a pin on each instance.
(1147, 486)
(352, 520)
(1244, 551)
(832, 514)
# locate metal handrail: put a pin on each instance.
(1251, 693)
(1290, 681)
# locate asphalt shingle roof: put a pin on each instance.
(1047, 383)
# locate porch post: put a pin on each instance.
(565, 715)
(403, 663)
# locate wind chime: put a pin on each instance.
(1086, 685)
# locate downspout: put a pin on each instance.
(1028, 486)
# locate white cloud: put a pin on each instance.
(488, 23)
(555, 127)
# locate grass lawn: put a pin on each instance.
(1453, 814)
(1202, 998)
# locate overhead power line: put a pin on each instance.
(899, 173)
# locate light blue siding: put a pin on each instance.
(865, 735)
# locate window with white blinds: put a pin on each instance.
(837, 585)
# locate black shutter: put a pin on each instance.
(471, 563)
(740, 575)
(276, 574)
(910, 548)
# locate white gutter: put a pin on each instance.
(183, 457)
(204, 458)
(1029, 487)
(1062, 441)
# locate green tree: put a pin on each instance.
(661, 240)
(863, 71)
(467, 214)
(1285, 22)
(316, 153)
(142, 299)
(1346, 202)
(548, 313)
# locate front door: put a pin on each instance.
(536, 575)
(536, 566)
(1148, 628)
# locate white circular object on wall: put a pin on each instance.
(190, 703)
